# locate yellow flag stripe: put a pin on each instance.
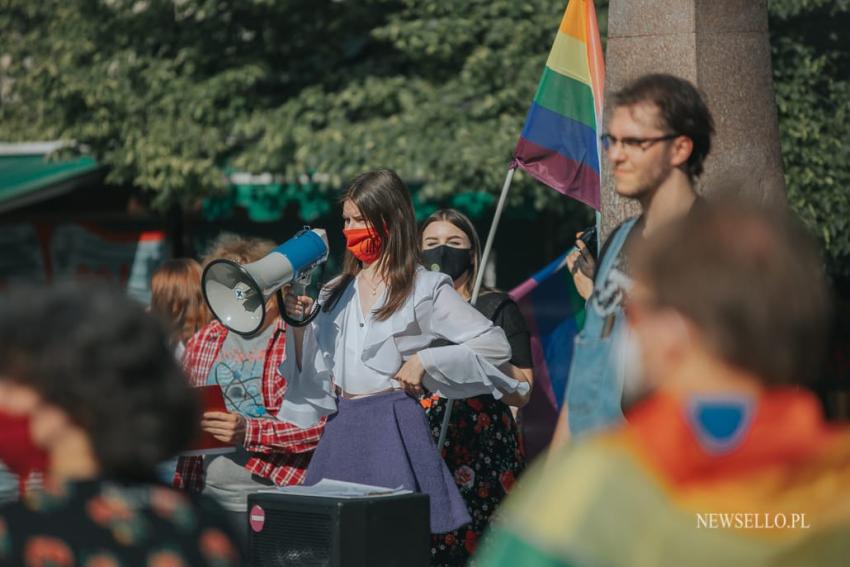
(569, 58)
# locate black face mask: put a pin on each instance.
(451, 261)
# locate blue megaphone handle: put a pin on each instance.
(303, 251)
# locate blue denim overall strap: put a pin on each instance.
(595, 387)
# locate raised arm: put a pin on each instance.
(309, 374)
(296, 307)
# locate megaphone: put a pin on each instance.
(237, 294)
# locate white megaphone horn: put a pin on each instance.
(237, 294)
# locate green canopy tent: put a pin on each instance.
(28, 174)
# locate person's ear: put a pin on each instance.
(665, 337)
(680, 332)
(682, 148)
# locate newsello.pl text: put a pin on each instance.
(752, 521)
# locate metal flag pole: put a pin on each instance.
(479, 278)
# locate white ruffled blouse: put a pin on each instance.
(434, 310)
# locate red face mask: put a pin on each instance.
(17, 450)
(364, 243)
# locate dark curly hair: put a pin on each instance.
(94, 353)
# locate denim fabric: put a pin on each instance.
(595, 386)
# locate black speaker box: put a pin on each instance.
(288, 530)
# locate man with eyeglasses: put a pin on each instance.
(659, 134)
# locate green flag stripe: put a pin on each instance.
(568, 97)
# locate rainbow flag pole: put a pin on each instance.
(559, 144)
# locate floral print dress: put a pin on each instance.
(483, 449)
(103, 523)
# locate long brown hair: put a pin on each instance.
(462, 222)
(177, 300)
(384, 202)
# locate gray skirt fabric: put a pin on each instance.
(384, 440)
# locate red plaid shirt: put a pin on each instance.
(279, 451)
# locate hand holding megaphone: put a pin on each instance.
(237, 294)
(296, 303)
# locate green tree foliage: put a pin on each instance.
(160, 91)
(166, 92)
(811, 64)
(169, 92)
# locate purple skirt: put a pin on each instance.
(384, 440)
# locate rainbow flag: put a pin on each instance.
(559, 144)
(688, 482)
(554, 312)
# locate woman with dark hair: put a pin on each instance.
(368, 352)
(482, 448)
(95, 380)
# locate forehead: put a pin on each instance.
(349, 209)
(443, 229)
(637, 118)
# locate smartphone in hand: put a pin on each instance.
(590, 239)
(586, 262)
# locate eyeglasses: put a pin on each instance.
(633, 145)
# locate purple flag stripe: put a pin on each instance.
(566, 176)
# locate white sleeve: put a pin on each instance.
(309, 391)
(469, 366)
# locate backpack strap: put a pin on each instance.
(612, 247)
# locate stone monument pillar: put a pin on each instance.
(722, 46)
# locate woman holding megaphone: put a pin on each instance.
(367, 355)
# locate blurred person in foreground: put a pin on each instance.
(726, 458)
(246, 367)
(95, 379)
